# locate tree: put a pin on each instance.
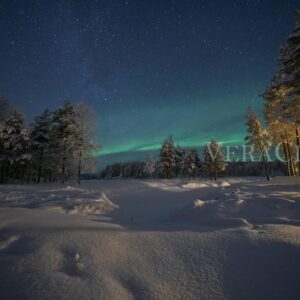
(290, 73)
(179, 160)
(86, 142)
(167, 162)
(15, 155)
(150, 165)
(65, 134)
(282, 134)
(59, 144)
(40, 139)
(6, 109)
(214, 159)
(191, 163)
(284, 90)
(257, 138)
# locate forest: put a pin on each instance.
(57, 146)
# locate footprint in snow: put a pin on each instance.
(72, 264)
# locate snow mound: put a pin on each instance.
(194, 185)
(98, 206)
(199, 185)
(182, 185)
(198, 203)
(241, 208)
(224, 183)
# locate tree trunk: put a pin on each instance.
(292, 164)
(298, 148)
(7, 173)
(23, 172)
(63, 172)
(289, 151)
(266, 167)
(40, 165)
(79, 167)
(262, 150)
(287, 159)
(80, 157)
(63, 167)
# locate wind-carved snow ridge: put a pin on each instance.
(68, 199)
(183, 185)
(241, 208)
(98, 206)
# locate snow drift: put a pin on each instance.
(90, 249)
(241, 208)
(98, 206)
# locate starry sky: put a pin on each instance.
(149, 68)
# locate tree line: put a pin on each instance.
(177, 162)
(173, 162)
(57, 146)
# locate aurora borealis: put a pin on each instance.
(149, 68)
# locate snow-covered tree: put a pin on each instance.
(257, 138)
(86, 137)
(65, 135)
(6, 109)
(283, 95)
(59, 144)
(15, 154)
(167, 162)
(40, 140)
(290, 73)
(214, 159)
(282, 134)
(150, 165)
(191, 163)
(179, 160)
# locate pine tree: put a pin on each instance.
(290, 62)
(179, 160)
(290, 73)
(15, 154)
(150, 165)
(257, 138)
(167, 161)
(280, 132)
(86, 136)
(65, 134)
(191, 163)
(6, 109)
(284, 91)
(40, 139)
(214, 159)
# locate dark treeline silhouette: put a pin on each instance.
(176, 162)
(55, 147)
(136, 169)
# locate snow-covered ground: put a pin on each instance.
(153, 239)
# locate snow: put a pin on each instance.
(152, 239)
(184, 185)
(98, 206)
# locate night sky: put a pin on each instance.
(149, 68)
